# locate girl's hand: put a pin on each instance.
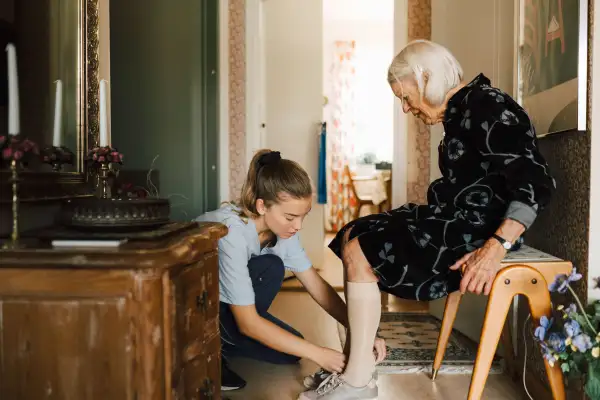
(480, 267)
(380, 350)
(330, 360)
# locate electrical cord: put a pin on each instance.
(525, 361)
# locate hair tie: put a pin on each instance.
(269, 158)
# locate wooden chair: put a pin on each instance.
(365, 200)
(527, 272)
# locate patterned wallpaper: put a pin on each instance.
(418, 137)
(567, 216)
(237, 97)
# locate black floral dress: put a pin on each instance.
(492, 170)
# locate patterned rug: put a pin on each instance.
(411, 341)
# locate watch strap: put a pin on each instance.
(505, 243)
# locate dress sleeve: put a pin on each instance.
(505, 137)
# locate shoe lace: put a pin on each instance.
(329, 384)
(321, 373)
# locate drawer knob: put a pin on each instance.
(202, 301)
(206, 392)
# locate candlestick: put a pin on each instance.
(103, 117)
(14, 235)
(13, 90)
(57, 137)
(104, 189)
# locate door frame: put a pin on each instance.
(400, 127)
(255, 78)
(594, 126)
(223, 164)
(206, 188)
(255, 131)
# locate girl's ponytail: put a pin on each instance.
(249, 195)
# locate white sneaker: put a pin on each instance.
(335, 388)
(314, 381)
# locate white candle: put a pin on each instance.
(57, 137)
(13, 91)
(103, 116)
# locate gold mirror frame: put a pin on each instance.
(51, 186)
(89, 63)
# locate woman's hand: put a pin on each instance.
(330, 360)
(481, 267)
(380, 350)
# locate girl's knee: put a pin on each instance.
(267, 266)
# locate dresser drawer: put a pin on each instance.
(197, 300)
(212, 354)
(202, 375)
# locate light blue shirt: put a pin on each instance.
(239, 246)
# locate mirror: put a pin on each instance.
(54, 40)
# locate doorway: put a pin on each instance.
(285, 74)
(358, 45)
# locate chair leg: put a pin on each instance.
(540, 305)
(385, 299)
(516, 279)
(452, 303)
(356, 213)
(493, 324)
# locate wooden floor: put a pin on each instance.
(294, 306)
(275, 382)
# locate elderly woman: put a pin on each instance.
(494, 183)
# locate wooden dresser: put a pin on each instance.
(139, 323)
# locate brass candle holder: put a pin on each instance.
(104, 188)
(15, 150)
(14, 180)
(57, 156)
(102, 159)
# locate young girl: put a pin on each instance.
(261, 243)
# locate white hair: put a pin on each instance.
(424, 60)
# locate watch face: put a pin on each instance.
(507, 245)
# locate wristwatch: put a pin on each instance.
(505, 243)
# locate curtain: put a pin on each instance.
(340, 137)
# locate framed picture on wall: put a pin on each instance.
(551, 63)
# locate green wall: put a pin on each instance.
(164, 93)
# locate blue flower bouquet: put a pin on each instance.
(572, 338)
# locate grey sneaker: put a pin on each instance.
(313, 381)
(335, 388)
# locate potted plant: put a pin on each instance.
(572, 337)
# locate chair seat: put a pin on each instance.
(528, 254)
(548, 265)
(365, 199)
